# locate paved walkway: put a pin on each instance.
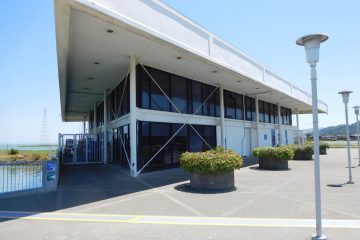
(104, 202)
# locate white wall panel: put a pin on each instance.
(277, 82)
(162, 20)
(234, 58)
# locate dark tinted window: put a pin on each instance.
(158, 101)
(153, 135)
(230, 104)
(261, 110)
(266, 112)
(239, 107)
(119, 100)
(179, 93)
(250, 111)
(143, 88)
(188, 95)
(196, 97)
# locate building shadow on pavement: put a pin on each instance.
(83, 184)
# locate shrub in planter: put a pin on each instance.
(212, 169)
(323, 148)
(303, 152)
(274, 158)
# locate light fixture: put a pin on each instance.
(90, 78)
(239, 81)
(311, 44)
(345, 96)
(179, 58)
(214, 71)
(96, 63)
(110, 31)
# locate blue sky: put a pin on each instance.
(265, 30)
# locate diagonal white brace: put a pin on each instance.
(181, 114)
(116, 116)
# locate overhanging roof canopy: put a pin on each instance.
(91, 58)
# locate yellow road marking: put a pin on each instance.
(182, 220)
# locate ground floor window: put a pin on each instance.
(152, 136)
(121, 145)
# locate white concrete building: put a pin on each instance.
(154, 84)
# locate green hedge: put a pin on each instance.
(211, 162)
(300, 149)
(324, 145)
(283, 153)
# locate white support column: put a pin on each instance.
(297, 126)
(222, 116)
(257, 121)
(133, 110)
(84, 124)
(105, 126)
(279, 117)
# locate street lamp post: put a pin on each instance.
(312, 46)
(345, 97)
(357, 129)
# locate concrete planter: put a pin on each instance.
(271, 164)
(303, 156)
(219, 182)
(323, 151)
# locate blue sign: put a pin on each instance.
(51, 167)
(265, 136)
(51, 171)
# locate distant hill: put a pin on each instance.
(338, 130)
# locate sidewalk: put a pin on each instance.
(92, 203)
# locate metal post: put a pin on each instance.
(358, 137)
(348, 144)
(316, 149)
(59, 142)
(105, 127)
(257, 121)
(50, 153)
(133, 127)
(279, 118)
(222, 116)
(95, 121)
(74, 147)
(297, 125)
(86, 148)
(89, 128)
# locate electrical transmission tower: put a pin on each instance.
(44, 138)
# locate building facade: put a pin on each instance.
(151, 88)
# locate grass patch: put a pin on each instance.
(342, 146)
(26, 155)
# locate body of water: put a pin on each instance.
(27, 147)
(20, 176)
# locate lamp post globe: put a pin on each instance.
(356, 108)
(311, 44)
(345, 96)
